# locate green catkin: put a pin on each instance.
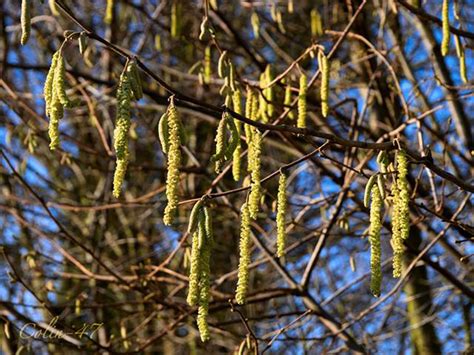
(109, 12)
(222, 65)
(374, 240)
(291, 7)
(121, 132)
(381, 185)
(234, 137)
(220, 139)
(462, 59)
(287, 101)
(281, 214)
(446, 33)
(53, 7)
(56, 112)
(236, 160)
(301, 122)
(368, 189)
(316, 23)
(207, 65)
(255, 22)
(195, 269)
(174, 162)
(401, 217)
(194, 216)
(325, 70)
(244, 260)
(82, 42)
(134, 79)
(163, 132)
(269, 92)
(25, 20)
(204, 279)
(262, 102)
(175, 19)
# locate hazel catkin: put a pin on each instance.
(374, 240)
(25, 20)
(174, 162)
(301, 122)
(281, 214)
(244, 260)
(445, 24)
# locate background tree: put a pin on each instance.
(117, 277)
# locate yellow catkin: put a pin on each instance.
(462, 59)
(316, 23)
(195, 269)
(25, 19)
(176, 19)
(53, 7)
(220, 140)
(174, 162)
(446, 33)
(291, 6)
(236, 160)
(325, 70)
(59, 82)
(48, 85)
(56, 112)
(281, 214)
(207, 65)
(269, 92)
(401, 217)
(204, 280)
(109, 12)
(254, 167)
(255, 22)
(374, 240)
(244, 260)
(287, 101)
(262, 100)
(121, 132)
(301, 123)
(135, 80)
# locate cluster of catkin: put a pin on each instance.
(56, 98)
(375, 195)
(200, 227)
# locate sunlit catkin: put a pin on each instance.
(401, 217)
(374, 240)
(135, 80)
(59, 82)
(174, 162)
(287, 101)
(255, 151)
(109, 12)
(269, 92)
(325, 70)
(244, 260)
(121, 132)
(207, 65)
(446, 33)
(53, 7)
(195, 269)
(301, 123)
(316, 23)
(281, 214)
(236, 159)
(48, 85)
(25, 20)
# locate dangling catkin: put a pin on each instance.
(49, 93)
(269, 92)
(59, 83)
(204, 282)
(401, 217)
(374, 240)
(254, 168)
(163, 133)
(287, 101)
(301, 123)
(281, 214)
(316, 23)
(195, 269)
(368, 189)
(207, 65)
(122, 127)
(236, 160)
(244, 261)
(462, 59)
(262, 100)
(53, 7)
(25, 20)
(109, 12)
(255, 21)
(134, 79)
(325, 70)
(174, 162)
(218, 157)
(446, 33)
(175, 19)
